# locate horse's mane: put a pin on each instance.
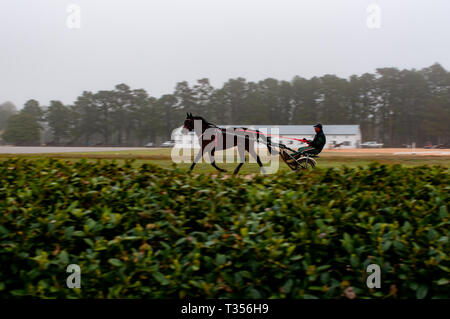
(203, 120)
(211, 124)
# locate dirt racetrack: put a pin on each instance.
(325, 152)
(61, 149)
(388, 151)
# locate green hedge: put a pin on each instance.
(146, 232)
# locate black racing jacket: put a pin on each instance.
(319, 141)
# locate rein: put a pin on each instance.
(210, 125)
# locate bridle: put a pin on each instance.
(190, 120)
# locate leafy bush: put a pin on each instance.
(147, 232)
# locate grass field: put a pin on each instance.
(335, 158)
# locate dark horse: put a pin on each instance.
(212, 138)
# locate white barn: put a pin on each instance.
(348, 135)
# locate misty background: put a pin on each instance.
(155, 44)
(133, 68)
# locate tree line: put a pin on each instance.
(392, 106)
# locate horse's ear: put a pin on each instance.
(190, 115)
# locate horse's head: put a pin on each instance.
(191, 121)
(188, 123)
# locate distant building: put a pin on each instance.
(349, 136)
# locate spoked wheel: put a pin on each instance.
(306, 163)
(289, 160)
(302, 163)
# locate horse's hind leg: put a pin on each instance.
(258, 160)
(217, 167)
(241, 153)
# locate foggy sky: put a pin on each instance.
(153, 44)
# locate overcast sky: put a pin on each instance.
(153, 44)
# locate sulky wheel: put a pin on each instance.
(289, 160)
(305, 163)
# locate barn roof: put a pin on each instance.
(304, 129)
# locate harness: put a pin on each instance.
(270, 143)
(290, 159)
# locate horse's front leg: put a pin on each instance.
(241, 153)
(213, 161)
(197, 158)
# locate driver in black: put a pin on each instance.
(316, 145)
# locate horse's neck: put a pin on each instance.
(206, 127)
